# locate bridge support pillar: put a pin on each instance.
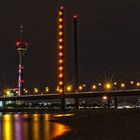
(108, 101)
(115, 102)
(62, 103)
(77, 103)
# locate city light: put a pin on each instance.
(122, 85)
(69, 88)
(115, 83)
(8, 92)
(60, 68)
(94, 87)
(60, 26)
(60, 19)
(26, 91)
(80, 87)
(84, 85)
(57, 89)
(36, 90)
(99, 84)
(108, 86)
(138, 84)
(60, 33)
(104, 97)
(60, 47)
(46, 89)
(131, 82)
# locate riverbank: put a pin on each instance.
(103, 124)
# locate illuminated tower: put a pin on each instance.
(61, 54)
(21, 48)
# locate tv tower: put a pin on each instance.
(21, 49)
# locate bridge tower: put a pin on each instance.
(76, 68)
(61, 78)
(21, 47)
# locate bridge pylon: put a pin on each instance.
(61, 78)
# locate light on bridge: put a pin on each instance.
(94, 87)
(46, 89)
(108, 86)
(115, 83)
(26, 91)
(7, 92)
(80, 87)
(36, 90)
(69, 88)
(122, 85)
(138, 84)
(104, 97)
(99, 84)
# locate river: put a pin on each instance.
(30, 127)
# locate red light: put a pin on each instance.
(75, 16)
(61, 7)
(21, 43)
(18, 43)
(20, 81)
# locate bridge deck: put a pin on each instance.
(134, 92)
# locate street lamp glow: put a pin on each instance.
(99, 84)
(47, 89)
(26, 91)
(137, 84)
(57, 89)
(80, 87)
(108, 86)
(115, 83)
(131, 82)
(84, 85)
(36, 90)
(104, 97)
(69, 88)
(8, 92)
(122, 85)
(94, 87)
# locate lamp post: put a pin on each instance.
(21, 49)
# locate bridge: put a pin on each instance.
(77, 96)
(61, 94)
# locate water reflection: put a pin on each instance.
(30, 127)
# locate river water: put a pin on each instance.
(30, 127)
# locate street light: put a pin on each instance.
(36, 90)
(122, 85)
(69, 88)
(94, 87)
(108, 86)
(47, 89)
(138, 84)
(80, 87)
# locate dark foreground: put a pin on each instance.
(103, 124)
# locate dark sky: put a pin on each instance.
(108, 39)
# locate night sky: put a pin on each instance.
(108, 40)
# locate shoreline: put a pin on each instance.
(102, 124)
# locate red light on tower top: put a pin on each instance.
(20, 44)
